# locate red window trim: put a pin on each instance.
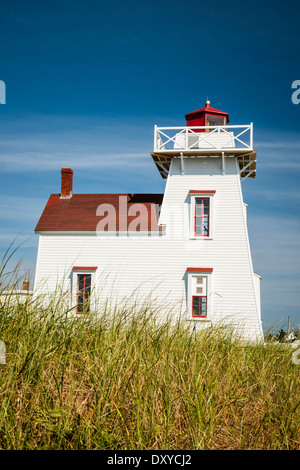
(83, 293)
(205, 191)
(84, 268)
(200, 305)
(202, 218)
(200, 270)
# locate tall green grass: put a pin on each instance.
(122, 380)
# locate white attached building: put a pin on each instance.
(187, 248)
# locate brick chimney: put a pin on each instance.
(66, 183)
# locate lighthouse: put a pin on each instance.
(205, 163)
(187, 250)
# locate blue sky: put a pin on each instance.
(87, 80)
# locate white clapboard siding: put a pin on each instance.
(207, 140)
(156, 266)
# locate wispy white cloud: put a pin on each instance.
(274, 152)
(272, 194)
(43, 160)
(18, 217)
(275, 245)
(283, 144)
(276, 161)
(20, 208)
(83, 142)
(19, 240)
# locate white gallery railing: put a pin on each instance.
(203, 137)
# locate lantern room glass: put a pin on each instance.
(212, 120)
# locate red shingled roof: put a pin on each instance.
(207, 109)
(78, 213)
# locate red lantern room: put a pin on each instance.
(206, 116)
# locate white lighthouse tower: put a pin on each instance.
(205, 217)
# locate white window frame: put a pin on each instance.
(193, 196)
(204, 273)
(84, 270)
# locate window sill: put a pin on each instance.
(193, 237)
(203, 320)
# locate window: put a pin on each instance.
(199, 288)
(212, 120)
(199, 306)
(201, 213)
(199, 297)
(201, 222)
(83, 293)
(83, 281)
